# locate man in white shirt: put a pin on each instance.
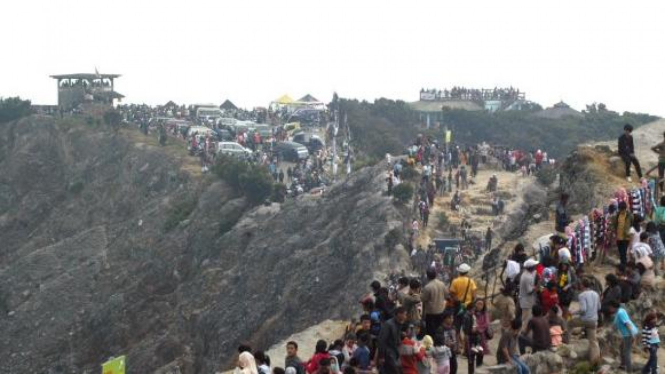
(642, 248)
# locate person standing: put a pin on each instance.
(434, 302)
(589, 302)
(489, 234)
(628, 330)
(621, 224)
(660, 150)
(462, 292)
(292, 359)
(412, 303)
(562, 219)
(627, 152)
(651, 342)
(527, 290)
(389, 341)
(473, 349)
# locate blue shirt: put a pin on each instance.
(362, 355)
(620, 320)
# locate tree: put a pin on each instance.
(403, 192)
(256, 184)
(13, 108)
(112, 118)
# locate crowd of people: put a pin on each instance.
(422, 325)
(203, 138)
(473, 94)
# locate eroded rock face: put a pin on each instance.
(88, 270)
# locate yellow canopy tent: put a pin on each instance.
(284, 99)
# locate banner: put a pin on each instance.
(427, 96)
(448, 136)
(114, 366)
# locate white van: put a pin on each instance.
(201, 130)
(233, 149)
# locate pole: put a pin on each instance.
(333, 165)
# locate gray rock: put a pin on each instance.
(258, 285)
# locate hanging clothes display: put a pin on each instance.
(591, 235)
(636, 206)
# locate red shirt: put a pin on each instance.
(410, 361)
(313, 363)
(548, 299)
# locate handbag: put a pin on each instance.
(489, 333)
(461, 308)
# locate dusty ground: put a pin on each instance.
(476, 204)
(327, 330)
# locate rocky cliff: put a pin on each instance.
(109, 247)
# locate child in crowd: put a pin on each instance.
(651, 342)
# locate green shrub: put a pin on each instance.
(394, 237)
(363, 161)
(226, 223)
(13, 108)
(230, 169)
(179, 212)
(252, 181)
(546, 176)
(278, 192)
(403, 192)
(256, 184)
(410, 173)
(76, 187)
(112, 118)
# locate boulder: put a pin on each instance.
(544, 362)
(615, 161)
(580, 348)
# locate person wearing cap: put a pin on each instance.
(527, 290)
(462, 292)
(433, 297)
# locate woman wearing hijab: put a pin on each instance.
(247, 364)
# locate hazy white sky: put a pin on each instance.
(253, 51)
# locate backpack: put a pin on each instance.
(375, 327)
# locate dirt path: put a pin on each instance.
(476, 204)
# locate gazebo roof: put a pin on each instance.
(308, 99)
(228, 105)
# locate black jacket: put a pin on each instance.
(626, 146)
(389, 340)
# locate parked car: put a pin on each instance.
(264, 130)
(233, 149)
(290, 151)
(224, 134)
(312, 142)
(201, 130)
